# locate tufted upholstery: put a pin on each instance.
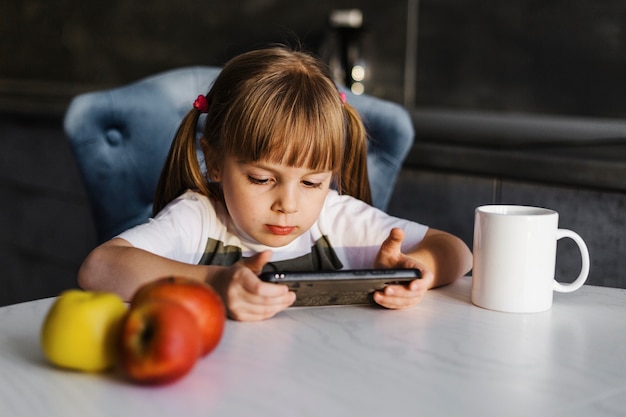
(120, 138)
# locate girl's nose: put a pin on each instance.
(286, 201)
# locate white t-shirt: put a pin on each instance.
(347, 235)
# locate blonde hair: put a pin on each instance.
(276, 105)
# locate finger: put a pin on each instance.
(394, 240)
(401, 296)
(251, 282)
(413, 289)
(246, 311)
(390, 252)
(286, 297)
(416, 285)
(394, 302)
(257, 261)
(253, 286)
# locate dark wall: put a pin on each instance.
(63, 47)
(539, 56)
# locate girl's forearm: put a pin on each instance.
(447, 256)
(118, 267)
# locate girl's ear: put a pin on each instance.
(213, 167)
(214, 174)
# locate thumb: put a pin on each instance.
(393, 243)
(257, 261)
(390, 249)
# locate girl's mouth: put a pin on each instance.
(280, 230)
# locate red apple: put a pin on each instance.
(158, 342)
(198, 297)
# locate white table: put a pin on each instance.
(444, 358)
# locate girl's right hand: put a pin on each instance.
(245, 296)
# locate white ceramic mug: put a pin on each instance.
(515, 257)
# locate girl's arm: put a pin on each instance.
(440, 256)
(445, 255)
(119, 267)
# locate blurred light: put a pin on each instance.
(351, 18)
(358, 73)
(358, 88)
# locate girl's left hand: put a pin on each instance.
(391, 256)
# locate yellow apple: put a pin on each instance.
(81, 328)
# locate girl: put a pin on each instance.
(284, 186)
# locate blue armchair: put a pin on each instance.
(120, 138)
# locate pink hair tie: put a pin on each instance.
(343, 97)
(201, 104)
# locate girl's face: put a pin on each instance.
(273, 203)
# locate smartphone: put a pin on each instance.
(342, 287)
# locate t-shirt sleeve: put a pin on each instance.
(178, 232)
(357, 230)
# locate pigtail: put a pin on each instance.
(353, 179)
(181, 170)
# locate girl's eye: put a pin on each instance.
(311, 184)
(258, 181)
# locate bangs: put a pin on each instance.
(288, 126)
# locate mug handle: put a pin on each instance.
(584, 270)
